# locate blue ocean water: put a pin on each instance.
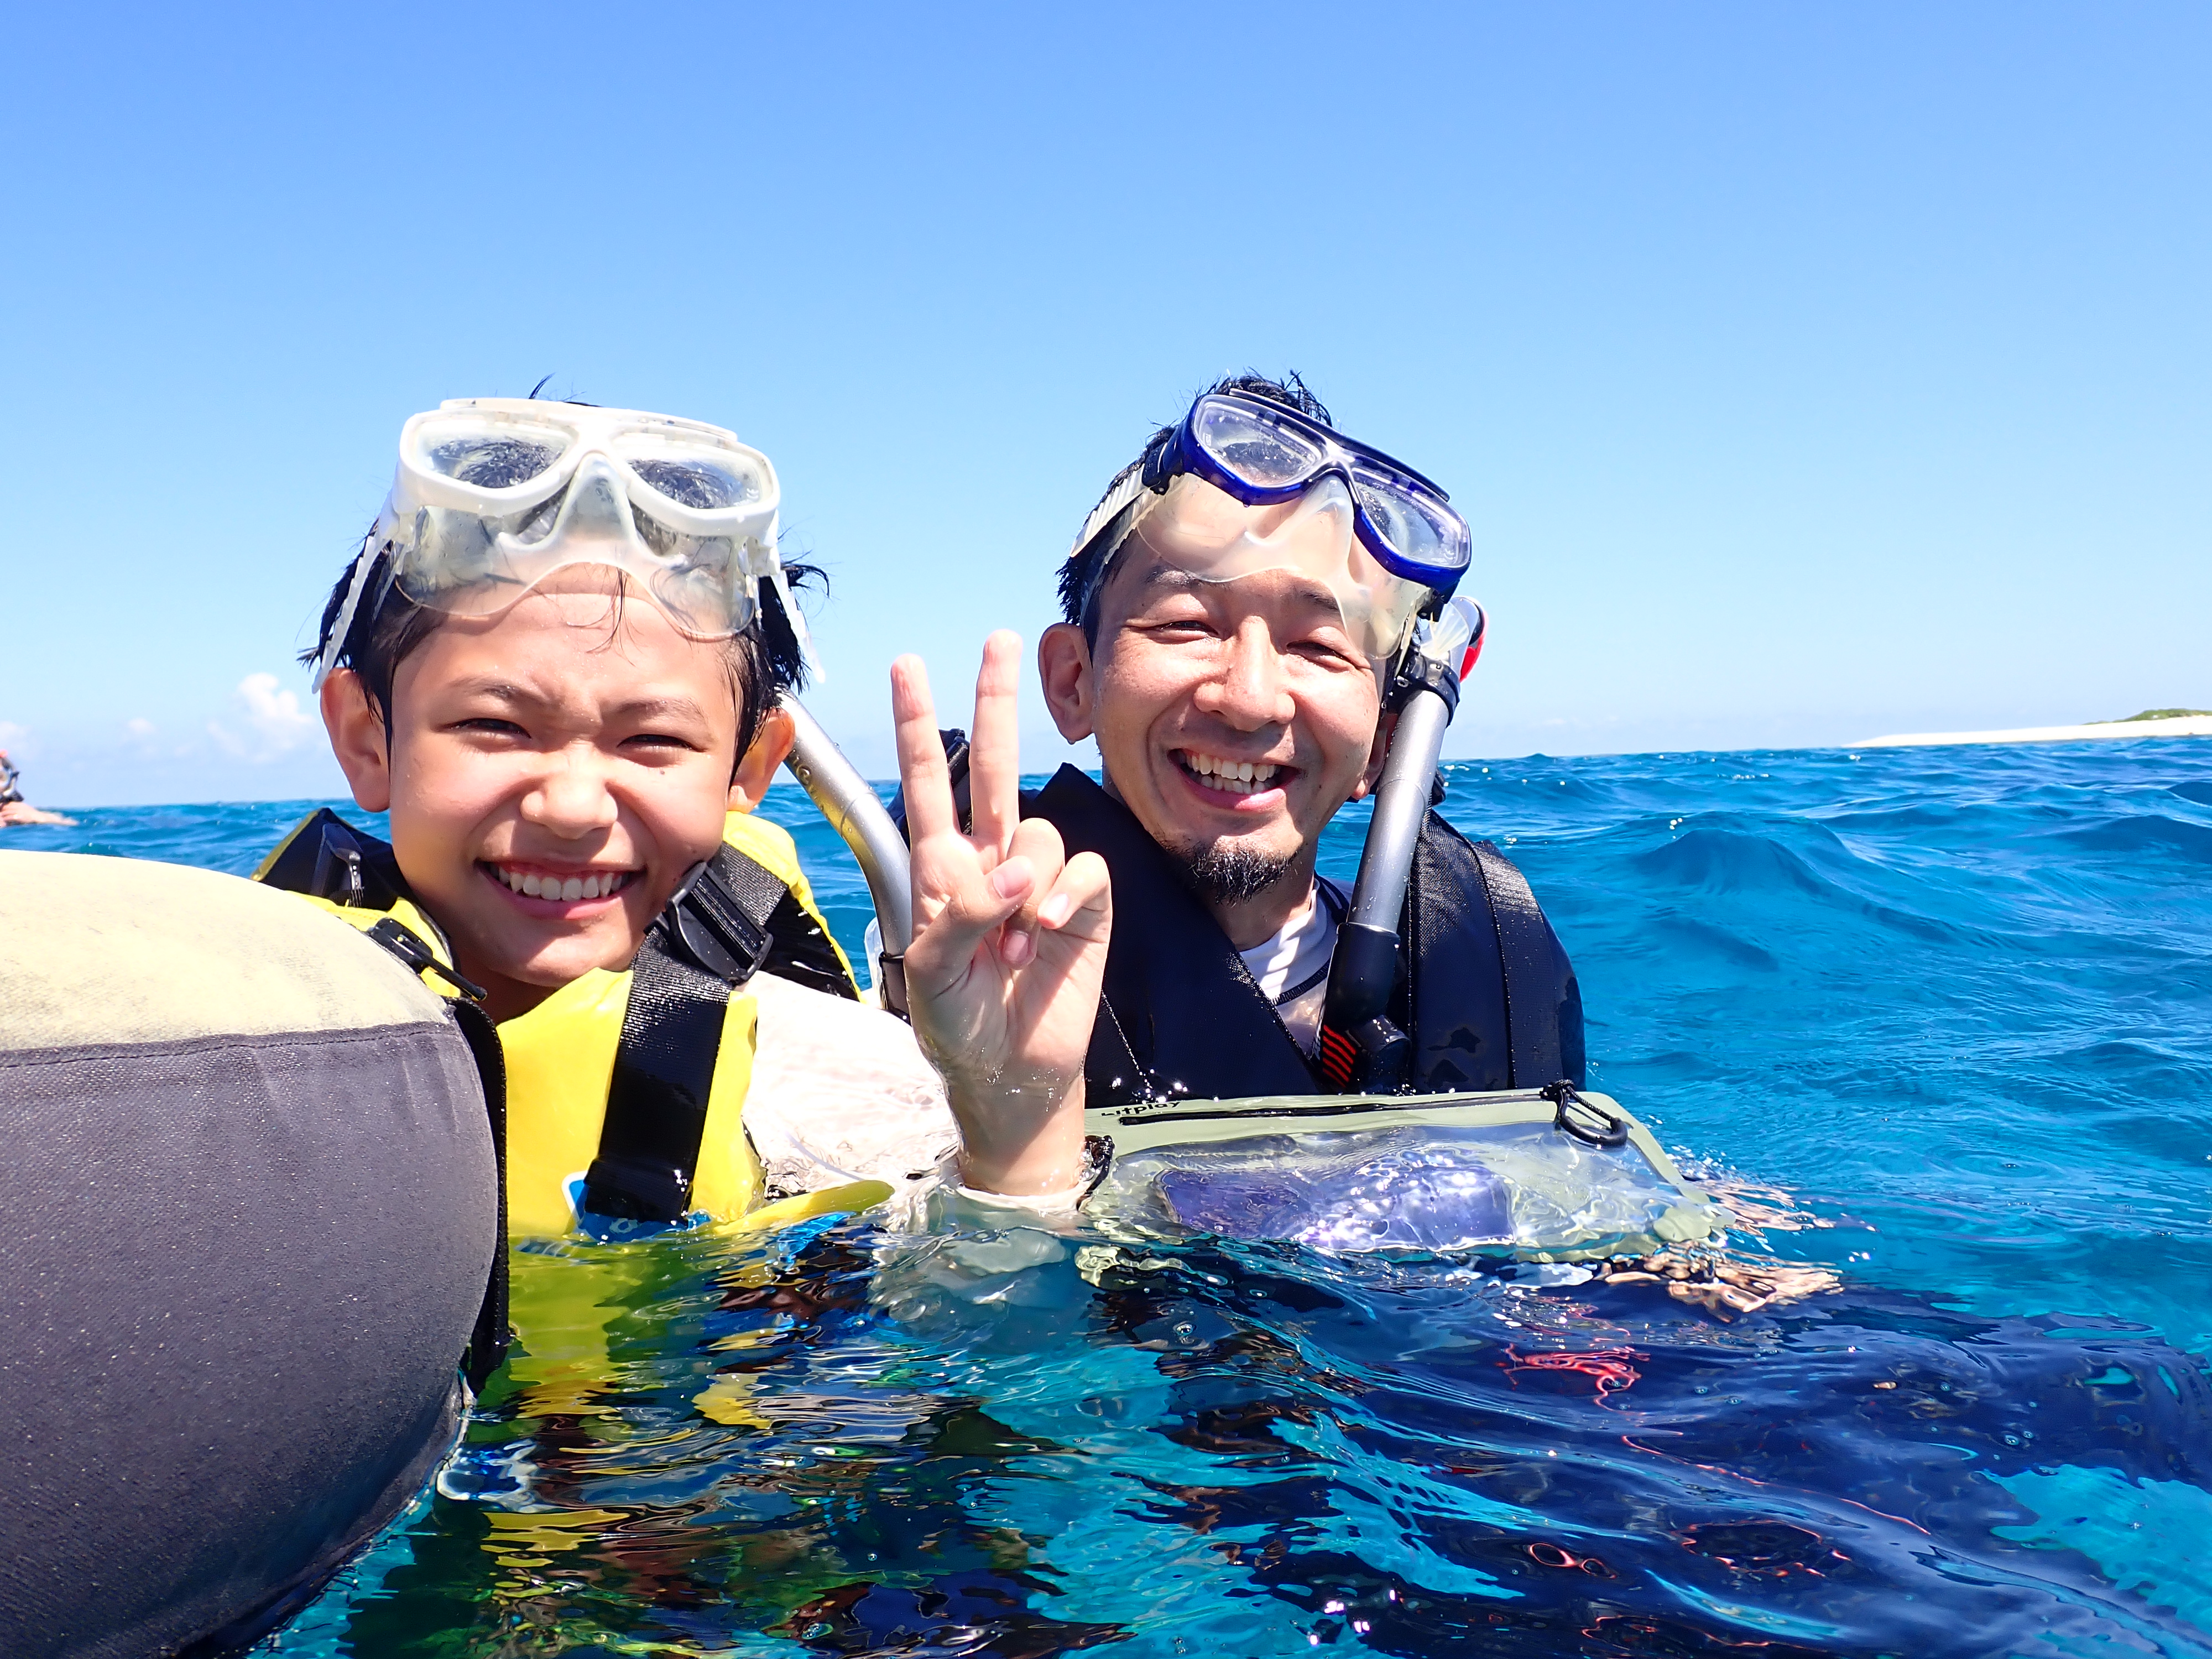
(1940, 1020)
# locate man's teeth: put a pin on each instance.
(599, 884)
(1235, 777)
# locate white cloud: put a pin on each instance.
(273, 720)
(138, 728)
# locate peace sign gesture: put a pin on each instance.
(1010, 940)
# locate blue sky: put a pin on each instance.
(1806, 372)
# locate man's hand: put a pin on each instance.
(1010, 940)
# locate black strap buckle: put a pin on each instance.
(1588, 1122)
(708, 926)
(890, 975)
(337, 865)
(418, 956)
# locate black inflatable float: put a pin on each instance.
(247, 1211)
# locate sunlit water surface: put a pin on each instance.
(1940, 1019)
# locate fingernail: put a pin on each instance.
(1056, 909)
(1011, 879)
(1018, 948)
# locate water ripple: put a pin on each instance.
(1941, 1020)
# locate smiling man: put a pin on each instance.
(1238, 608)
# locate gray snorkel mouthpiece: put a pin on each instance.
(1362, 1050)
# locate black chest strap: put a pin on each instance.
(490, 1337)
(712, 937)
(1526, 951)
(1179, 1013)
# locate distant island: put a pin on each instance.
(2169, 722)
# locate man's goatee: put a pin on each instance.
(1225, 873)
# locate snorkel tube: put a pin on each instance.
(843, 796)
(1362, 1050)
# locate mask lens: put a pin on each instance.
(700, 482)
(1418, 530)
(490, 461)
(492, 457)
(1252, 447)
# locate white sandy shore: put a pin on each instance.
(2188, 725)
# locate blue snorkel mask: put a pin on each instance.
(1209, 498)
(1263, 453)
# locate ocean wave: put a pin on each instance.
(1944, 1017)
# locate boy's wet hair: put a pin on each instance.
(763, 659)
(1075, 575)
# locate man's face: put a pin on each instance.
(1232, 718)
(553, 774)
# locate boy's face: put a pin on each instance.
(552, 773)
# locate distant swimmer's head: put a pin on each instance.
(556, 663)
(1234, 606)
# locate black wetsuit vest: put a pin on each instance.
(1485, 989)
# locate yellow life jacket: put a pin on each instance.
(560, 1056)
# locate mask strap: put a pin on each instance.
(814, 668)
(333, 643)
(1117, 532)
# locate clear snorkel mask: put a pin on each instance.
(1244, 485)
(493, 495)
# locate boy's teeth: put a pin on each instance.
(530, 884)
(1235, 777)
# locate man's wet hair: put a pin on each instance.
(763, 659)
(1082, 575)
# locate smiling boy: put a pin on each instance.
(551, 773)
(556, 664)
